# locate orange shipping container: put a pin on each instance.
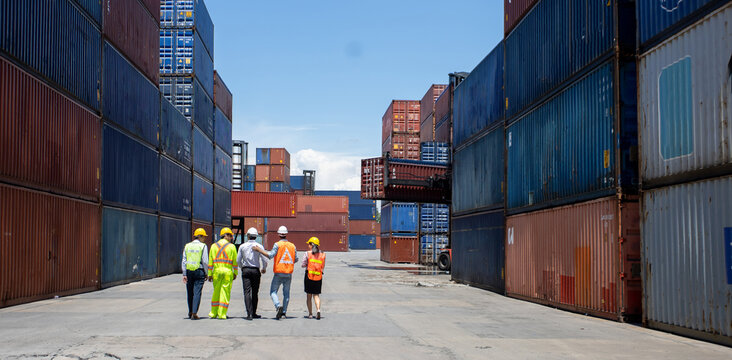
(400, 249)
(378, 241)
(257, 223)
(262, 204)
(279, 156)
(329, 241)
(583, 257)
(364, 227)
(279, 173)
(261, 186)
(325, 204)
(262, 173)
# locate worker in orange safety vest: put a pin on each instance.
(314, 262)
(222, 271)
(285, 257)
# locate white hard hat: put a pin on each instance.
(282, 230)
(252, 232)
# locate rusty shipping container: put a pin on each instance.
(395, 183)
(279, 173)
(262, 173)
(329, 241)
(279, 156)
(47, 141)
(223, 99)
(583, 258)
(153, 7)
(400, 249)
(325, 204)
(261, 186)
(257, 223)
(364, 227)
(313, 222)
(443, 117)
(402, 116)
(514, 11)
(62, 255)
(135, 33)
(263, 204)
(427, 112)
(211, 238)
(402, 146)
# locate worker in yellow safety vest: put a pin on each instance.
(285, 257)
(195, 270)
(222, 271)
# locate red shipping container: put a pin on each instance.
(153, 6)
(400, 181)
(403, 146)
(514, 11)
(427, 104)
(427, 129)
(279, 156)
(364, 227)
(255, 222)
(378, 241)
(261, 186)
(323, 204)
(583, 257)
(137, 35)
(262, 173)
(442, 107)
(400, 249)
(402, 116)
(47, 141)
(211, 238)
(279, 173)
(223, 99)
(319, 222)
(443, 132)
(59, 256)
(263, 204)
(329, 241)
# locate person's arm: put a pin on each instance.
(204, 259)
(211, 255)
(240, 256)
(183, 265)
(305, 260)
(271, 254)
(262, 260)
(296, 258)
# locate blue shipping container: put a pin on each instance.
(175, 133)
(129, 246)
(277, 186)
(478, 173)
(222, 131)
(435, 152)
(478, 100)
(130, 100)
(430, 247)
(354, 197)
(478, 250)
(56, 40)
(297, 182)
(565, 150)
(203, 154)
(248, 186)
(263, 156)
(222, 170)
(399, 218)
(655, 17)
(93, 8)
(251, 173)
(130, 171)
(174, 235)
(182, 54)
(203, 204)
(175, 189)
(179, 91)
(362, 242)
(222, 205)
(434, 218)
(189, 14)
(361, 212)
(203, 109)
(555, 40)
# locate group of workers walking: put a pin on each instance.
(221, 265)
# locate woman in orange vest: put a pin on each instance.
(314, 261)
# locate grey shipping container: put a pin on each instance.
(203, 203)
(478, 168)
(686, 104)
(129, 246)
(175, 189)
(222, 205)
(174, 235)
(222, 169)
(478, 250)
(175, 133)
(203, 154)
(687, 259)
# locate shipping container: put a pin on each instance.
(187, 94)
(279, 173)
(405, 180)
(38, 152)
(280, 156)
(427, 104)
(250, 174)
(263, 156)
(354, 196)
(435, 152)
(362, 212)
(686, 104)
(324, 204)
(174, 235)
(443, 106)
(329, 241)
(279, 186)
(129, 246)
(256, 222)
(443, 131)
(399, 218)
(67, 53)
(314, 222)
(297, 182)
(364, 227)
(182, 54)
(189, 14)
(434, 218)
(222, 205)
(175, 133)
(658, 20)
(478, 250)
(208, 227)
(378, 241)
(567, 35)
(60, 256)
(223, 99)
(514, 11)
(203, 203)
(203, 107)
(427, 129)
(203, 154)
(687, 259)
(362, 242)
(400, 248)
(153, 7)
(222, 131)
(129, 99)
(93, 8)
(577, 146)
(402, 146)
(261, 186)
(262, 173)
(478, 100)
(130, 171)
(248, 186)
(478, 173)
(262, 204)
(175, 189)
(583, 257)
(402, 116)
(430, 248)
(222, 171)
(137, 36)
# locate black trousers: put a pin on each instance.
(196, 279)
(250, 278)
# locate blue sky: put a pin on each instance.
(316, 76)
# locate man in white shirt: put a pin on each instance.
(253, 265)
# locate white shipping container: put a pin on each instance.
(685, 94)
(687, 258)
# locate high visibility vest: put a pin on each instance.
(285, 259)
(316, 262)
(194, 254)
(222, 255)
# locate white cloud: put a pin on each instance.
(333, 171)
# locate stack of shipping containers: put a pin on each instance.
(272, 172)
(223, 147)
(325, 217)
(364, 230)
(685, 106)
(399, 228)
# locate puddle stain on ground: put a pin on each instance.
(414, 270)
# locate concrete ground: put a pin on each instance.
(368, 313)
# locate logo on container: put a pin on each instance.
(671, 5)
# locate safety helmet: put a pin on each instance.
(199, 232)
(315, 241)
(225, 231)
(282, 230)
(252, 232)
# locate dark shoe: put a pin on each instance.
(279, 312)
(256, 316)
(318, 315)
(194, 317)
(249, 317)
(189, 315)
(284, 315)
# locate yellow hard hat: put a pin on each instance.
(315, 241)
(199, 232)
(225, 231)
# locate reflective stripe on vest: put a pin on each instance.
(285, 258)
(315, 266)
(194, 254)
(221, 256)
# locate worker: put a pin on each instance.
(314, 262)
(285, 257)
(253, 265)
(222, 272)
(195, 270)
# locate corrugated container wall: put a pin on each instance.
(182, 53)
(354, 196)
(153, 7)
(364, 227)
(398, 248)
(203, 204)
(62, 255)
(478, 251)
(27, 136)
(399, 218)
(262, 204)
(362, 242)
(222, 205)
(514, 11)
(223, 99)
(362, 212)
(478, 102)
(427, 112)
(278, 186)
(686, 104)
(478, 168)
(402, 116)
(175, 189)
(203, 154)
(174, 235)
(313, 222)
(327, 204)
(56, 40)
(189, 14)
(203, 114)
(687, 259)
(93, 8)
(658, 19)
(135, 33)
(222, 131)
(262, 173)
(129, 246)
(222, 171)
(175, 133)
(280, 156)
(443, 117)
